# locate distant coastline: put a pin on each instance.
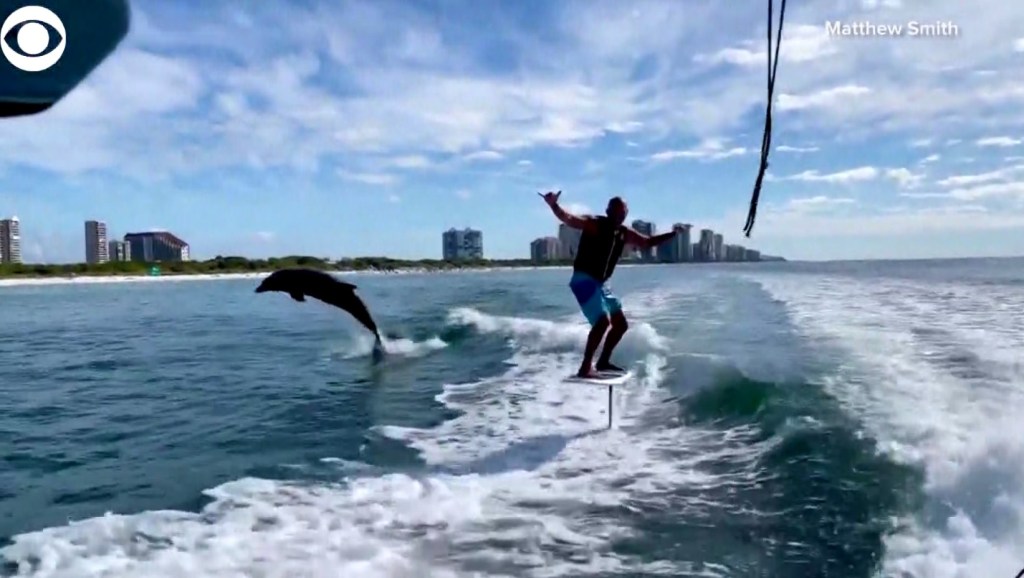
(241, 267)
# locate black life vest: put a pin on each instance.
(599, 252)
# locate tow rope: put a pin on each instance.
(766, 139)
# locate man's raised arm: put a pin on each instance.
(574, 221)
(633, 237)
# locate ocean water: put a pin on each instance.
(787, 420)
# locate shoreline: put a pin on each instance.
(25, 281)
(84, 279)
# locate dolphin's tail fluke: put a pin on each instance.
(378, 350)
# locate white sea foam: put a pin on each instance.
(515, 487)
(540, 334)
(362, 346)
(934, 374)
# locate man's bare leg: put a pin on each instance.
(619, 328)
(593, 340)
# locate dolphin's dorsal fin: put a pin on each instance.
(297, 296)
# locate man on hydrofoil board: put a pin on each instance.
(601, 243)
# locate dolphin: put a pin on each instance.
(298, 283)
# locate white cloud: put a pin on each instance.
(1018, 45)
(393, 198)
(625, 127)
(998, 141)
(928, 195)
(709, 149)
(484, 156)
(265, 236)
(273, 97)
(899, 221)
(818, 203)
(381, 179)
(981, 178)
(875, 4)
(463, 194)
(998, 184)
(800, 43)
(417, 95)
(905, 177)
(578, 209)
(525, 163)
(791, 149)
(922, 143)
(825, 98)
(98, 125)
(994, 190)
(859, 174)
(930, 159)
(411, 162)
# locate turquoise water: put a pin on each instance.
(853, 419)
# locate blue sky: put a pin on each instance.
(344, 128)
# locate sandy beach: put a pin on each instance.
(88, 280)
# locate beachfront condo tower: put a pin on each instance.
(96, 248)
(10, 241)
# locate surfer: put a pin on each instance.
(601, 243)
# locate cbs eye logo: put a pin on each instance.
(33, 38)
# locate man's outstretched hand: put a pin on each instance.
(550, 198)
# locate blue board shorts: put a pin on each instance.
(595, 300)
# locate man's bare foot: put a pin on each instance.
(608, 366)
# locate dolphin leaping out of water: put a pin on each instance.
(298, 283)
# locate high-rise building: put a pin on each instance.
(568, 241)
(752, 255)
(663, 253)
(544, 249)
(682, 250)
(645, 228)
(734, 253)
(10, 241)
(707, 245)
(462, 245)
(96, 248)
(154, 246)
(718, 244)
(119, 251)
(677, 249)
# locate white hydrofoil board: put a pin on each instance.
(609, 378)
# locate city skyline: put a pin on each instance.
(457, 244)
(368, 130)
(710, 247)
(98, 247)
